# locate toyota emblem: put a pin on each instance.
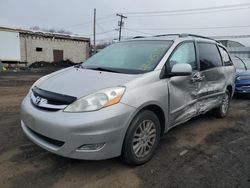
(38, 100)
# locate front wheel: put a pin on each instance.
(222, 110)
(141, 139)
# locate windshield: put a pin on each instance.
(239, 64)
(132, 57)
(242, 63)
(247, 62)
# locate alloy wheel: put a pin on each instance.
(144, 138)
(225, 103)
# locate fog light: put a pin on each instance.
(91, 147)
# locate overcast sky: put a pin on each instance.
(77, 15)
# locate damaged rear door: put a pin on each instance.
(212, 70)
(183, 90)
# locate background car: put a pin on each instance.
(242, 80)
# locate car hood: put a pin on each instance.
(242, 72)
(80, 82)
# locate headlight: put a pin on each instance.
(238, 78)
(96, 101)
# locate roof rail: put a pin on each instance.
(199, 36)
(180, 35)
(138, 37)
(164, 35)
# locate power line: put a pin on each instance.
(137, 30)
(107, 17)
(189, 10)
(188, 13)
(108, 31)
(79, 26)
(231, 36)
(141, 32)
(99, 26)
(191, 28)
(166, 13)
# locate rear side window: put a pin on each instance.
(225, 57)
(209, 56)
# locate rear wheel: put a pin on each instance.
(142, 138)
(222, 110)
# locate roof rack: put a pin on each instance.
(199, 36)
(165, 35)
(138, 37)
(180, 35)
(186, 35)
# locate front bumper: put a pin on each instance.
(63, 133)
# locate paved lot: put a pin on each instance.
(204, 152)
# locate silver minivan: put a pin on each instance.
(124, 98)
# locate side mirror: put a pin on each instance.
(181, 70)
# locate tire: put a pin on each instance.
(222, 110)
(142, 138)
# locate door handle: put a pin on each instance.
(198, 77)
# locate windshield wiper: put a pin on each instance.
(78, 66)
(115, 70)
(102, 69)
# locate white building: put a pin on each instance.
(25, 46)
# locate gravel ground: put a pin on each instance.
(204, 152)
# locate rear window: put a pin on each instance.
(209, 56)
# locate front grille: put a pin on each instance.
(244, 77)
(44, 108)
(50, 101)
(245, 85)
(53, 98)
(54, 142)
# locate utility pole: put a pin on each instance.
(120, 24)
(94, 30)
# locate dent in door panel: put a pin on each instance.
(183, 95)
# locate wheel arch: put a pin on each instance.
(159, 112)
(230, 89)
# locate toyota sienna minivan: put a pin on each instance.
(124, 98)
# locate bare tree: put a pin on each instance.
(51, 30)
(35, 27)
(102, 45)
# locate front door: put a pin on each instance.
(183, 90)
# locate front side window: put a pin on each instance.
(209, 56)
(129, 57)
(185, 53)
